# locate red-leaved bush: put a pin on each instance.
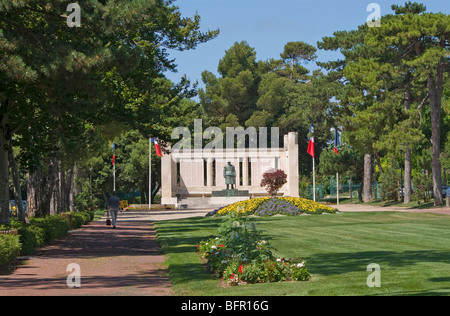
(273, 180)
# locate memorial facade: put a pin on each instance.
(190, 176)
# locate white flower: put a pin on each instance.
(224, 261)
(300, 265)
(279, 260)
(213, 247)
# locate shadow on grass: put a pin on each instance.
(340, 263)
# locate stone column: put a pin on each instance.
(209, 172)
(245, 172)
(292, 164)
(168, 174)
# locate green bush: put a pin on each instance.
(81, 218)
(31, 236)
(390, 184)
(9, 249)
(240, 254)
(54, 226)
(41, 230)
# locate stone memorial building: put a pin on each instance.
(190, 176)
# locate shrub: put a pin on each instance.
(54, 226)
(81, 218)
(423, 188)
(9, 249)
(273, 181)
(390, 184)
(31, 236)
(240, 254)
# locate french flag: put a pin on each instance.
(311, 141)
(157, 146)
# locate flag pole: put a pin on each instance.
(149, 173)
(314, 180)
(114, 167)
(337, 186)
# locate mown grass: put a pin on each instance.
(413, 251)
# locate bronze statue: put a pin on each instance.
(229, 173)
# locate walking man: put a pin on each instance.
(113, 206)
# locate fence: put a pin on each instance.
(329, 190)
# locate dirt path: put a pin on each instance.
(120, 262)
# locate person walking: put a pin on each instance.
(113, 206)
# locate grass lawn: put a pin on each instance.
(413, 251)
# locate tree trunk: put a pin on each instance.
(435, 91)
(33, 192)
(68, 190)
(17, 189)
(40, 191)
(4, 171)
(44, 202)
(408, 168)
(407, 189)
(367, 177)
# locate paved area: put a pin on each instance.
(115, 262)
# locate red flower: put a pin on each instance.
(232, 276)
(241, 268)
(221, 245)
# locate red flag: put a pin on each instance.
(114, 160)
(311, 141)
(157, 146)
(311, 146)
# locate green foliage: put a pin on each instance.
(423, 188)
(31, 236)
(45, 229)
(390, 184)
(9, 249)
(240, 254)
(54, 226)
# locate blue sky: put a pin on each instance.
(267, 25)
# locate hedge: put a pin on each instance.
(9, 249)
(39, 231)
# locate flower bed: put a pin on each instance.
(271, 206)
(239, 255)
(144, 207)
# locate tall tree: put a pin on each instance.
(48, 67)
(422, 42)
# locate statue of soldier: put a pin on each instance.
(229, 173)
